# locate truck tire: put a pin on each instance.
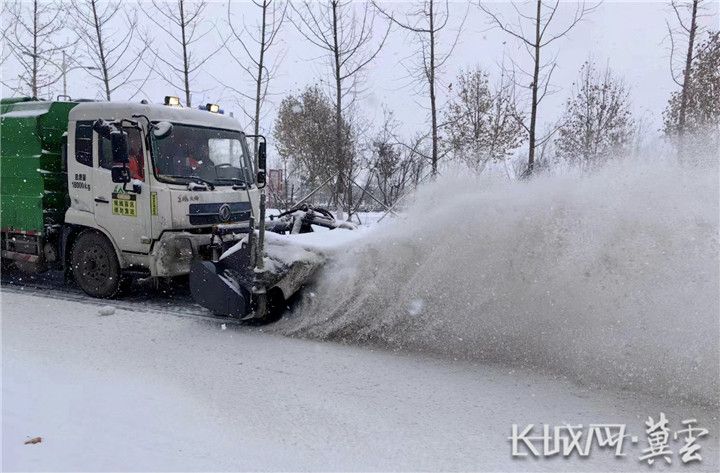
(95, 266)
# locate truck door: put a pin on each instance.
(124, 212)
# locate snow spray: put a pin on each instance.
(609, 278)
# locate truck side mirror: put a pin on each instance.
(262, 163)
(119, 144)
(262, 156)
(120, 174)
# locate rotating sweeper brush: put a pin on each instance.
(238, 283)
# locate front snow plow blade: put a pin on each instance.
(235, 285)
(219, 293)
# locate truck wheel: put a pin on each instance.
(95, 266)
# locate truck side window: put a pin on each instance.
(83, 142)
(137, 161)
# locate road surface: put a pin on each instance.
(147, 390)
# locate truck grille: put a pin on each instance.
(211, 214)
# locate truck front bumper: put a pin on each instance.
(173, 254)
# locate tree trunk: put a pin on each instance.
(285, 185)
(101, 50)
(534, 104)
(431, 79)
(258, 90)
(338, 115)
(186, 72)
(33, 79)
(686, 72)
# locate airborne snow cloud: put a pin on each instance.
(608, 278)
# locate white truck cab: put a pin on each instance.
(190, 170)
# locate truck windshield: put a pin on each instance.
(192, 153)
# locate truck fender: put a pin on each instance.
(70, 233)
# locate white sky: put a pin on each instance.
(630, 36)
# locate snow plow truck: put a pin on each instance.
(108, 192)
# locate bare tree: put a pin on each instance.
(482, 124)
(344, 31)
(387, 165)
(304, 133)
(114, 52)
(536, 31)
(182, 23)
(5, 52)
(408, 170)
(699, 103)
(687, 29)
(427, 23)
(254, 62)
(597, 121)
(33, 33)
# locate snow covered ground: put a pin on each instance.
(576, 299)
(147, 391)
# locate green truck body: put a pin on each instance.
(33, 188)
(81, 191)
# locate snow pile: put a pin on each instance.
(283, 252)
(319, 240)
(304, 248)
(106, 310)
(609, 278)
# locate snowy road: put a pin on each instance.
(150, 391)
